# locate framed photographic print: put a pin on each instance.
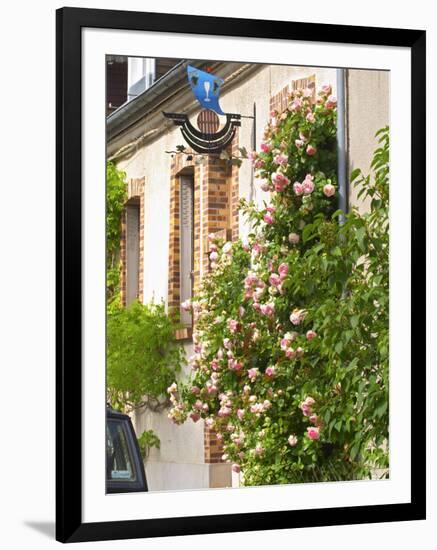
(240, 274)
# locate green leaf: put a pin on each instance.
(355, 173)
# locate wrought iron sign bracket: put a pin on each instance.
(206, 142)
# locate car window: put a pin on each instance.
(118, 459)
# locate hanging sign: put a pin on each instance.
(210, 136)
(206, 88)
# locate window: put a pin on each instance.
(132, 250)
(124, 464)
(119, 464)
(186, 242)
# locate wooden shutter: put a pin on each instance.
(186, 243)
(132, 252)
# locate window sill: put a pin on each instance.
(185, 333)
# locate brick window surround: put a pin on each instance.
(135, 194)
(216, 196)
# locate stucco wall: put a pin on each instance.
(368, 98)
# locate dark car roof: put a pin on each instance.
(110, 412)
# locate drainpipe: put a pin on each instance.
(341, 145)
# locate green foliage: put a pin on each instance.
(142, 355)
(147, 440)
(291, 335)
(116, 196)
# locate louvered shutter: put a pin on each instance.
(132, 251)
(186, 243)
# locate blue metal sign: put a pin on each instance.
(206, 88)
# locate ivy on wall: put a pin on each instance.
(142, 355)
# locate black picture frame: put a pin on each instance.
(69, 525)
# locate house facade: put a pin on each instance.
(176, 200)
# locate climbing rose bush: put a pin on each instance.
(290, 364)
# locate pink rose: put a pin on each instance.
(310, 334)
(252, 374)
(297, 188)
(311, 118)
(210, 422)
(194, 417)
(313, 419)
(279, 181)
(313, 432)
(297, 316)
(268, 309)
(252, 155)
(306, 406)
(265, 186)
(331, 102)
(274, 279)
(265, 147)
(292, 440)
(293, 238)
(307, 186)
(283, 270)
(326, 89)
(311, 150)
(268, 218)
(270, 372)
(259, 163)
(214, 364)
(233, 325)
(234, 365)
(195, 390)
(259, 449)
(227, 343)
(251, 279)
(299, 143)
(296, 104)
(285, 344)
(240, 414)
(236, 468)
(280, 159)
(329, 190)
(214, 256)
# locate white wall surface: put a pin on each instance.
(27, 309)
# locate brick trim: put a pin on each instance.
(135, 193)
(279, 101)
(213, 448)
